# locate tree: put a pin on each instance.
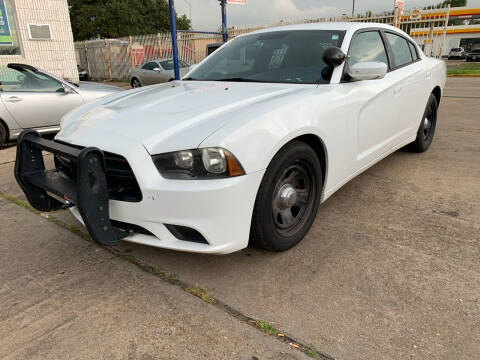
(117, 18)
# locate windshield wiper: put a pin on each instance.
(239, 79)
(189, 78)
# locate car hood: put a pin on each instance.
(173, 116)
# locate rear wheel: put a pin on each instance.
(288, 198)
(426, 130)
(136, 83)
(3, 134)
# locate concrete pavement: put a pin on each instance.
(389, 270)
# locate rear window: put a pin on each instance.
(413, 50)
(400, 49)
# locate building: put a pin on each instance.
(38, 33)
(463, 29)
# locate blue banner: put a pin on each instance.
(5, 35)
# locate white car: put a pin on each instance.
(246, 147)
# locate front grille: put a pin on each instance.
(121, 181)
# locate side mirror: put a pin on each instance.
(68, 90)
(368, 70)
(334, 56)
(157, 69)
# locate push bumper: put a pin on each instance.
(220, 210)
(45, 189)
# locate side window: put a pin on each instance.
(27, 81)
(400, 49)
(149, 66)
(413, 49)
(167, 64)
(367, 46)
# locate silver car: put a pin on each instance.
(156, 72)
(456, 53)
(34, 99)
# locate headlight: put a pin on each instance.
(208, 163)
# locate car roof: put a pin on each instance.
(338, 26)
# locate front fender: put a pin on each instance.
(256, 141)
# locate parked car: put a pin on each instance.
(34, 99)
(473, 56)
(82, 73)
(156, 72)
(456, 53)
(245, 148)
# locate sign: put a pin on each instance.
(416, 14)
(237, 2)
(400, 4)
(5, 35)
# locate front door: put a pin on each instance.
(34, 99)
(373, 102)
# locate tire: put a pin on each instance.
(135, 83)
(3, 135)
(426, 131)
(281, 220)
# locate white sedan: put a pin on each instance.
(247, 146)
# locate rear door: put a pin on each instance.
(410, 92)
(35, 99)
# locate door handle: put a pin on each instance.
(14, 99)
(397, 90)
(429, 74)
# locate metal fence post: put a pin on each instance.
(173, 30)
(86, 57)
(130, 53)
(107, 57)
(444, 30)
(224, 20)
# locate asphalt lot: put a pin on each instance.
(389, 270)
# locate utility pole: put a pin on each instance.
(353, 8)
(173, 30)
(224, 20)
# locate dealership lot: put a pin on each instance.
(389, 270)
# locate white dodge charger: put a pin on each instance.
(243, 149)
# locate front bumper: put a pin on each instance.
(220, 210)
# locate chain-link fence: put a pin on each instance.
(114, 59)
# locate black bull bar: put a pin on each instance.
(89, 192)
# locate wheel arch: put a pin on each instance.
(437, 92)
(318, 145)
(7, 130)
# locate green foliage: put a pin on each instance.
(93, 19)
(445, 3)
(266, 327)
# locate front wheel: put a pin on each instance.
(426, 130)
(288, 198)
(136, 83)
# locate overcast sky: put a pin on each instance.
(206, 13)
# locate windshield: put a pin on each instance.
(279, 57)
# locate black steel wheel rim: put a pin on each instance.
(293, 198)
